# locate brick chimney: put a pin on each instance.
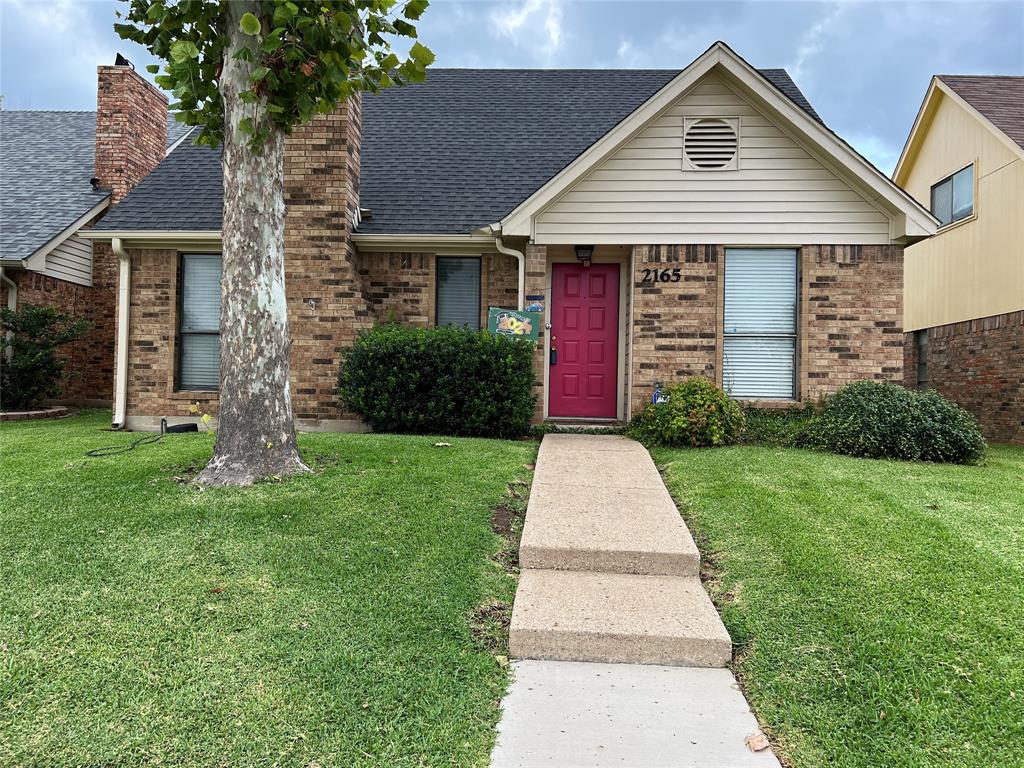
(131, 128)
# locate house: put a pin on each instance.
(60, 172)
(665, 223)
(964, 296)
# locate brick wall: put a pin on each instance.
(851, 318)
(980, 365)
(131, 129)
(674, 324)
(851, 309)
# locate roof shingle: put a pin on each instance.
(1000, 98)
(446, 156)
(46, 161)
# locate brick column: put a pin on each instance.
(327, 306)
(536, 283)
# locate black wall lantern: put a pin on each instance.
(583, 254)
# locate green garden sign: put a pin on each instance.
(513, 322)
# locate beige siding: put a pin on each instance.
(71, 261)
(779, 195)
(973, 268)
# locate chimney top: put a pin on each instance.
(121, 61)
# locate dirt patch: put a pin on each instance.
(488, 624)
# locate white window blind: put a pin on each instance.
(199, 326)
(458, 291)
(759, 350)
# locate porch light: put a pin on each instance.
(583, 254)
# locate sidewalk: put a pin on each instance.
(620, 651)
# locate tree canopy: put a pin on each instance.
(307, 57)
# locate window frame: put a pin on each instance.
(796, 335)
(972, 166)
(921, 355)
(180, 309)
(480, 288)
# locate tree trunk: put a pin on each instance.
(256, 436)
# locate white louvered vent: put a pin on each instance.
(711, 144)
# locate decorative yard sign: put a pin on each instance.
(513, 322)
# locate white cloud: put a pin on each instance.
(812, 42)
(518, 23)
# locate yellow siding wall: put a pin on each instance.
(780, 195)
(973, 268)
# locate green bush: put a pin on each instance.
(776, 427)
(439, 381)
(886, 421)
(697, 414)
(30, 336)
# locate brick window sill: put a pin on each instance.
(197, 394)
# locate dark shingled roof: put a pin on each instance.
(1000, 98)
(455, 153)
(46, 161)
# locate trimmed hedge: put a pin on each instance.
(697, 414)
(887, 421)
(446, 380)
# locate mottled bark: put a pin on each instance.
(256, 436)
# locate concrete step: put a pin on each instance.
(612, 530)
(622, 618)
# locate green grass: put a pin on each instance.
(878, 606)
(323, 620)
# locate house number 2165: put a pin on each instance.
(661, 275)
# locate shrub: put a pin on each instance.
(697, 414)
(31, 336)
(884, 420)
(439, 381)
(776, 427)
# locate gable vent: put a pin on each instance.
(711, 144)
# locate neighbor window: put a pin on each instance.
(759, 339)
(921, 341)
(199, 322)
(458, 291)
(953, 197)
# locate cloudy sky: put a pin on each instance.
(864, 65)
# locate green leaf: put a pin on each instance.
(283, 14)
(183, 50)
(249, 24)
(259, 73)
(415, 8)
(421, 54)
(404, 28)
(245, 126)
(153, 68)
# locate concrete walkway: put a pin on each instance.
(620, 652)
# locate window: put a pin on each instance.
(921, 342)
(953, 197)
(199, 322)
(458, 291)
(759, 340)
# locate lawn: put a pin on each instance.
(878, 606)
(320, 621)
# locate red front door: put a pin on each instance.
(585, 340)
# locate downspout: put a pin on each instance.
(521, 258)
(12, 304)
(123, 304)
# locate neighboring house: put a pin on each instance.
(964, 295)
(666, 223)
(59, 172)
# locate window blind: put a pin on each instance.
(759, 346)
(458, 291)
(199, 327)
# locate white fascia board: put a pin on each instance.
(894, 200)
(37, 261)
(156, 238)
